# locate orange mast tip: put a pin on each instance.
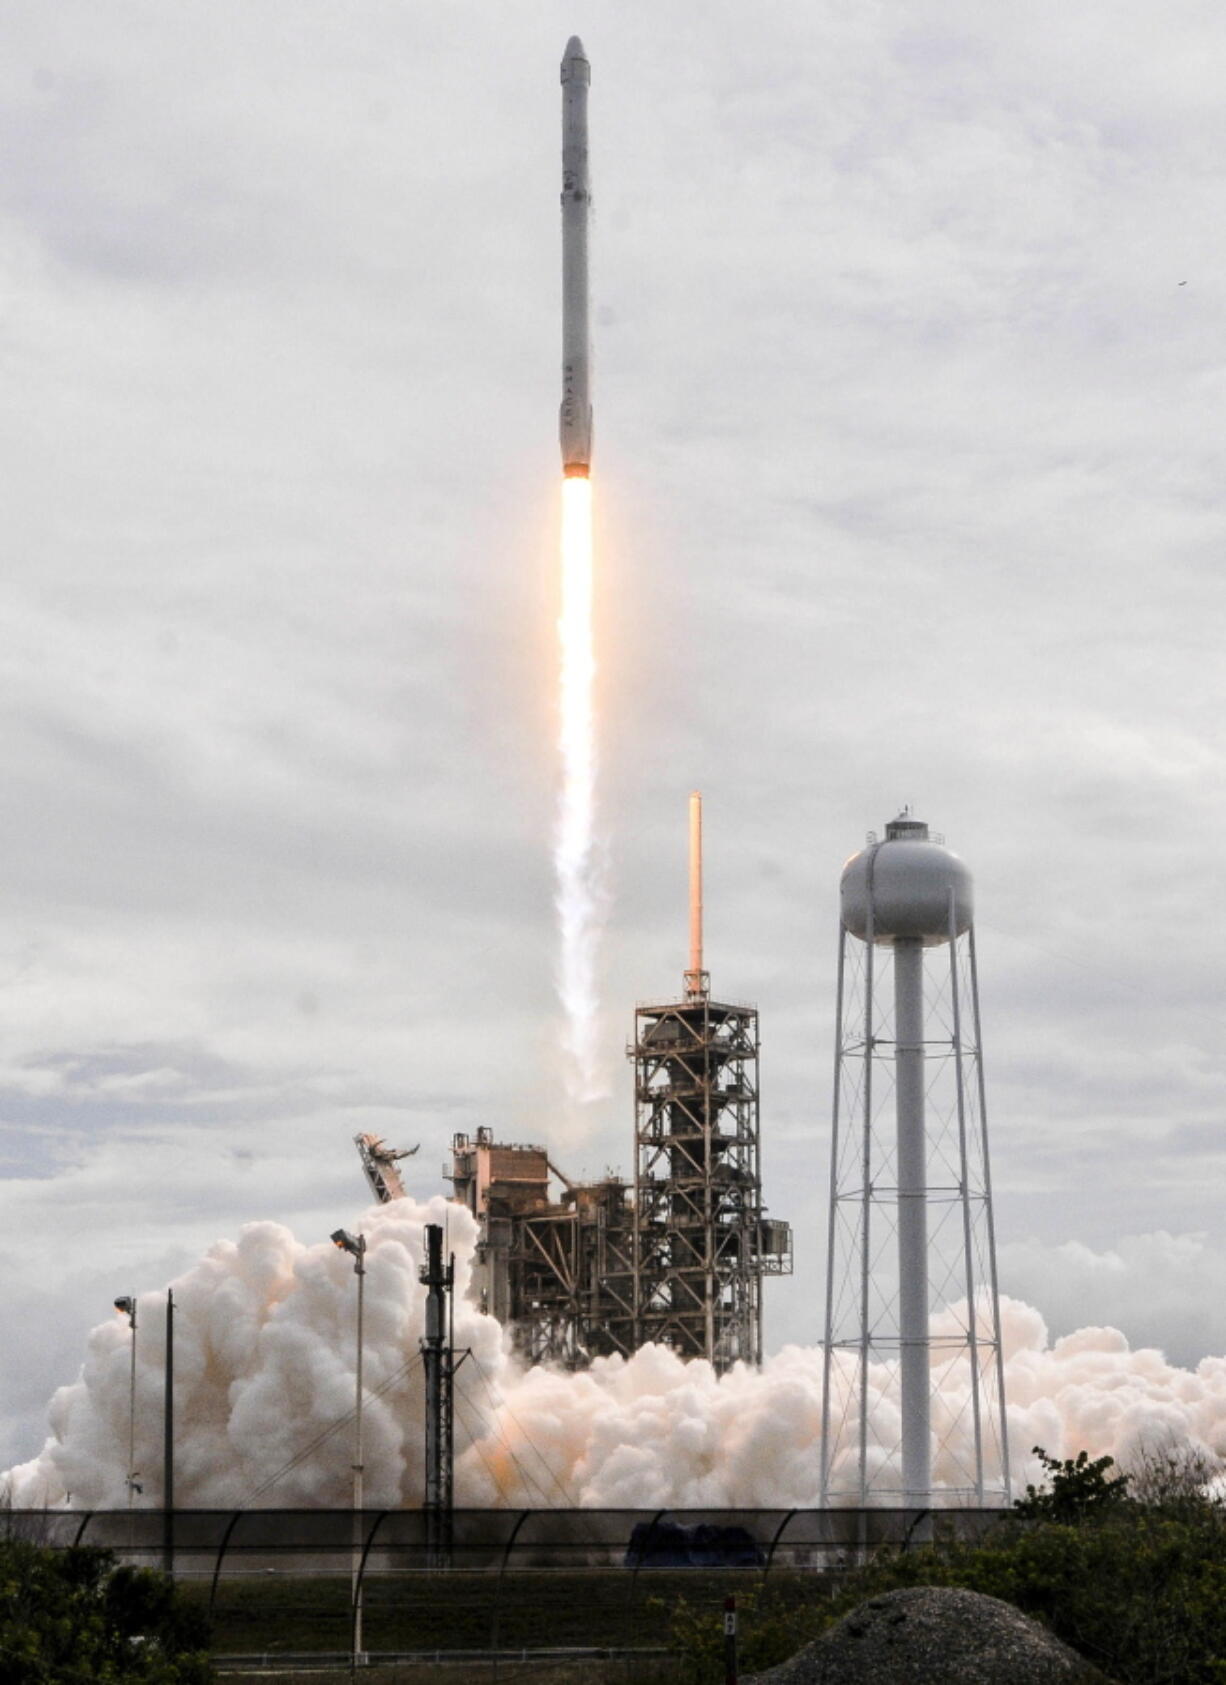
(697, 981)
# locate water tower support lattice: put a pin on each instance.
(913, 1408)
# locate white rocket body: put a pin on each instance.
(575, 419)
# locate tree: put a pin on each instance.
(68, 1617)
(1077, 1490)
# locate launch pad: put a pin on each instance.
(678, 1256)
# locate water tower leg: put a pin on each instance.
(912, 1221)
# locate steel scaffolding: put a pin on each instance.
(701, 1243)
(559, 1272)
(571, 1277)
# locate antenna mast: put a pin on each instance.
(697, 981)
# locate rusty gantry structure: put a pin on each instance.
(558, 1271)
(677, 1257)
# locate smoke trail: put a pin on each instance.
(264, 1360)
(579, 894)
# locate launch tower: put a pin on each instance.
(701, 1241)
(913, 1357)
(589, 1271)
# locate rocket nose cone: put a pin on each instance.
(574, 60)
(575, 67)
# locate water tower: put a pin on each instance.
(913, 1407)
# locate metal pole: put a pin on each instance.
(1006, 1480)
(756, 1172)
(730, 1662)
(964, 1193)
(358, 1468)
(132, 1410)
(695, 977)
(708, 1203)
(866, 1175)
(827, 1354)
(448, 1400)
(912, 1219)
(358, 1495)
(168, 1442)
(640, 1190)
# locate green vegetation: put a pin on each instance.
(523, 1609)
(1077, 1490)
(1130, 1570)
(69, 1616)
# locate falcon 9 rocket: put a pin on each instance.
(575, 420)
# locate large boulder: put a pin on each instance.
(934, 1635)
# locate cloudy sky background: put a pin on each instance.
(909, 489)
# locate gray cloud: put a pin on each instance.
(1166, 1289)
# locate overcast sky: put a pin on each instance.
(910, 372)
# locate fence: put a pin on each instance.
(291, 1581)
(218, 1543)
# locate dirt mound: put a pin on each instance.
(934, 1635)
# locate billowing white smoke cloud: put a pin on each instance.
(265, 1347)
(264, 1365)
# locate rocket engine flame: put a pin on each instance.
(579, 891)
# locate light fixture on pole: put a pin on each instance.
(127, 1306)
(355, 1245)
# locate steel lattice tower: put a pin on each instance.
(701, 1241)
(698, 1191)
(913, 1407)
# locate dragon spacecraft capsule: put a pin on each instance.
(575, 419)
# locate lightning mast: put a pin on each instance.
(701, 1240)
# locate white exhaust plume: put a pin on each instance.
(580, 890)
(264, 1374)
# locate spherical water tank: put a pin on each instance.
(908, 879)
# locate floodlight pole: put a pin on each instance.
(358, 1463)
(358, 1470)
(355, 1245)
(127, 1305)
(168, 1442)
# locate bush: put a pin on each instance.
(1077, 1489)
(1137, 1586)
(69, 1616)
